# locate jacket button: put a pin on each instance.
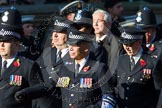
(70, 104)
(72, 95)
(126, 98)
(127, 88)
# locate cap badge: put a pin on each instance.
(5, 17)
(139, 18)
(78, 16)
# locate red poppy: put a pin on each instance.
(17, 63)
(152, 47)
(142, 62)
(85, 69)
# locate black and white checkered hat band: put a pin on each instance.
(61, 24)
(9, 33)
(79, 37)
(128, 36)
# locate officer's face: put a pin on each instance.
(99, 23)
(150, 33)
(8, 48)
(117, 10)
(78, 52)
(28, 29)
(133, 48)
(59, 39)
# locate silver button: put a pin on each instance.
(72, 95)
(72, 85)
(126, 98)
(127, 88)
(70, 104)
(52, 68)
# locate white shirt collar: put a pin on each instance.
(63, 52)
(9, 61)
(137, 56)
(101, 38)
(82, 63)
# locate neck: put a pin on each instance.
(61, 47)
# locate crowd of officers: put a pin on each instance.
(92, 60)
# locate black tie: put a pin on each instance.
(4, 67)
(132, 62)
(58, 56)
(77, 69)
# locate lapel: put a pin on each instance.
(11, 69)
(65, 58)
(138, 67)
(124, 63)
(53, 55)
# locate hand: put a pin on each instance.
(20, 96)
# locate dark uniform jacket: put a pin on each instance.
(136, 88)
(50, 70)
(113, 48)
(74, 96)
(21, 74)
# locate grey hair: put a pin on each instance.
(107, 16)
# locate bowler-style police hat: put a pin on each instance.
(131, 34)
(83, 17)
(76, 37)
(10, 25)
(146, 18)
(62, 24)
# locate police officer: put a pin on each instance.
(52, 59)
(135, 75)
(17, 72)
(79, 78)
(147, 20)
(30, 46)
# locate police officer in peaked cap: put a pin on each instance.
(135, 75)
(17, 72)
(69, 10)
(77, 84)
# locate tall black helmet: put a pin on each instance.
(10, 24)
(146, 18)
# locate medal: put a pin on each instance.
(85, 82)
(63, 82)
(15, 80)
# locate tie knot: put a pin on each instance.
(131, 59)
(59, 53)
(4, 63)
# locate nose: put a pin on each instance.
(95, 23)
(55, 34)
(2, 44)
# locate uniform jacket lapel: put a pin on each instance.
(11, 69)
(138, 67)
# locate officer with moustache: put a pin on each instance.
(136, 74)
(82, 79)
(17, 72)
